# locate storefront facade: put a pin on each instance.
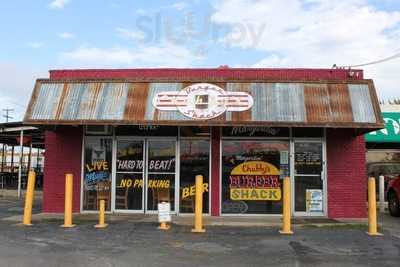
(143, 138)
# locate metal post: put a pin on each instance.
(198, 213)
(68, 202)
(286, 227)
(372, 221)
(102, 211)
(12, 159)
(382, 193)
(21, 143)
(30, 190)
(29, 157)
(2, 158)
(37, 159)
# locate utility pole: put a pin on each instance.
(3, 152)
(8, 111)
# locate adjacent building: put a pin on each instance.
(383, 146)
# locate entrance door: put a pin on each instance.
(160, 173)
(145, 174)
(129, 181)
(309, 182)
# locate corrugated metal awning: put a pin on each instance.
(351, 104)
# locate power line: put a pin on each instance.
(397, 55)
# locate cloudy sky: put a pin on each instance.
(38, 35)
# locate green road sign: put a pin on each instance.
(391, 133)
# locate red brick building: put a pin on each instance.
(136, 137)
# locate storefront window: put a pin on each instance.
(129, 178)
(97, 172)
(195, 160)
(252, 173)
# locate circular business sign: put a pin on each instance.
(203, 101)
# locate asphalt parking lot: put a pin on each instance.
(141, 244)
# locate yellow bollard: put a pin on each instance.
(68, 202)
(164, 226)
(198, 213)
(372, 221)
(29, 199)
(102, 211)
(286, 227)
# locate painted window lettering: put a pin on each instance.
(255, 180)
(129, 164)
(251, 131)
(161, 165)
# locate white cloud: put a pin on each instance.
(17, 87)
(58, 4)
(35, 44)
(141, 12)
(134, 35)
(165, 55)
(66, 35)
(179, 6)
(316, 33)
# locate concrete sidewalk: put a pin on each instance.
(14, 214)
(187, 220)
(13, 193)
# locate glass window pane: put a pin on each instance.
(308, 132)
(195, 160)
(161, 173)
(195, 131)
(129, 194)
(160, 188)
(308, 194)
(161, 156)
(97, 172)
(129, 183)
(308, 158)
(251, 176)
(146, 130)
(130, 156)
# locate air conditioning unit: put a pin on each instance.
(98, 129)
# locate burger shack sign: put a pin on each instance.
(202, 101)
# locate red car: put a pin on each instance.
(393, 196)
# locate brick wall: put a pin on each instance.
(219, 74)
(63, 155)
(347, 182)
(215, 170)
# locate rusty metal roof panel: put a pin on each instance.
(324, 104)
(363, 110)
(47, 101)
(114, 98)
(317, 103)
(94, 101)
(81, 101)
(135, 106)
(157, 115)
(271, 102)
(235, 115)
(340, 104)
